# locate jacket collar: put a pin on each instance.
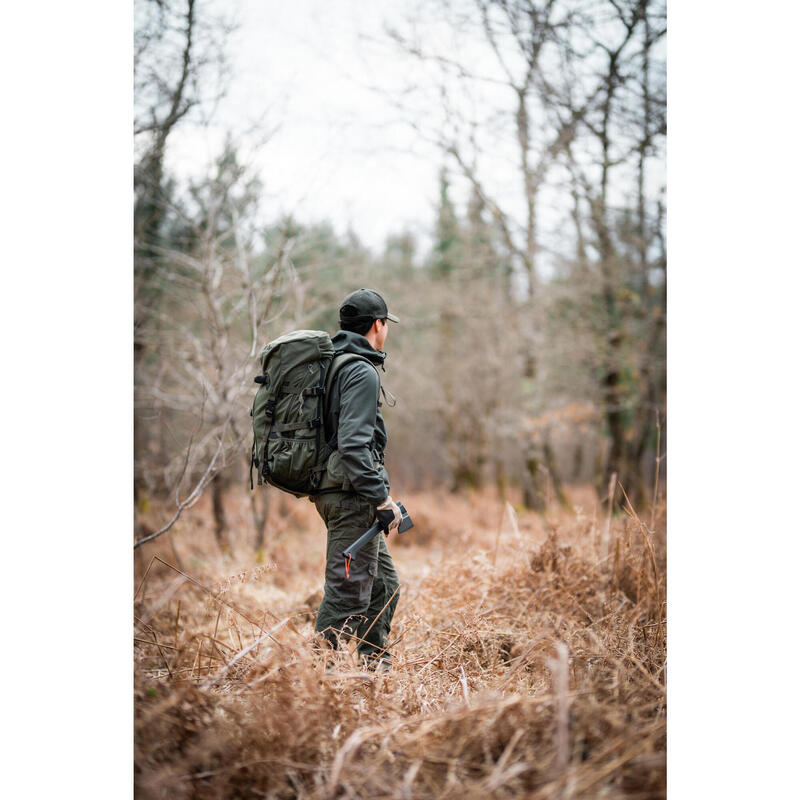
(349, 342)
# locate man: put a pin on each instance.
(356, 487)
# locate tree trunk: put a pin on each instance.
(577, 462)
(260, 512)
(616, 431)
(555, 476)
(501, 479)
(611, 386)
(533, 483)
(220, 520)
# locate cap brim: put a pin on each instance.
(392, 317)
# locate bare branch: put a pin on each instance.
(196, 492)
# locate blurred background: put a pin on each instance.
(495, 170)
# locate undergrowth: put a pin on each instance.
(528, 660)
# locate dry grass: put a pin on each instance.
(529, 661)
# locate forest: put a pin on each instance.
(528, 440)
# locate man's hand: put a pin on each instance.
(389, 515)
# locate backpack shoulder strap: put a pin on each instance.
(339, 360)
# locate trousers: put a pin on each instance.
(350, 604)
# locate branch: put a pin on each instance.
(195, 494)
(189, 448)
(487, 27)
(176, 112)
(494, 209)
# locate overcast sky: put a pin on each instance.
(339, 149)
(305, 69)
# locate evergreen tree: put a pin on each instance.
(447, 246)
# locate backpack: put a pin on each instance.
(290, 450)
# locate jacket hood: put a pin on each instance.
(349, 342)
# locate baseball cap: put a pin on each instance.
(365, 303)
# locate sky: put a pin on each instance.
(304, 77)
(304, 70)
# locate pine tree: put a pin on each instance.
(447, 246)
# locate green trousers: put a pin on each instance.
(351, 603)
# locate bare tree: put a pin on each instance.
(179, 70)
(530, 47)
(220, 302)
(566, 83)
(179, 67)
(624, 264)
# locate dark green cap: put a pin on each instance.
(366, 304)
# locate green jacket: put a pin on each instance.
(354, 425)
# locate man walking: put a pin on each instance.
(355, 488)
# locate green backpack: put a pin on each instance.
(290, 449)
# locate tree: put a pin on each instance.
(179, 68)
(221, 300)
(632, 300)
(566, 84)
(447, 235)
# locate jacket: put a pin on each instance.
(354, 427)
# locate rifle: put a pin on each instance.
(371, 533)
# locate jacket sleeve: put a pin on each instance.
(358, 408)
